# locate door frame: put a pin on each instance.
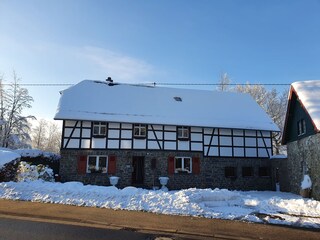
(138, 170)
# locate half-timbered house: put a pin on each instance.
(302, 135)
(197, 138)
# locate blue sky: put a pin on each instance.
(66, 41)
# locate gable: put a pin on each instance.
(97, 101)
(296, 112)
(308, 93)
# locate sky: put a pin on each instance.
(169, 41)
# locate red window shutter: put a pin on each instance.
(196, 165)
(82, 164)
(171, 165)
(112, 164)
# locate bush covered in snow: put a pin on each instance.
(8, 171)
(34, 153)
(10, 159)
(27, 172)
(8, 164)
(36, 157)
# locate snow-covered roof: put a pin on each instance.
(309, 94)
(98, 101)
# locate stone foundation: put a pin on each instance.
(304, 157)
(212, 170)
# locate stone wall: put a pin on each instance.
(304, 157)
(212, 170)
(280, 173)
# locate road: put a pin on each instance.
(66, 221)
(14, 229)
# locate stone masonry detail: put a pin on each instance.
(212, 170)
(304, 158)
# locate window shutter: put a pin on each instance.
(112, 164)
(171, 165)
(196, 165)
(82, 164)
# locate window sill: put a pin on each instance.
(139, 137)
(96, 173)
(99, 136)
(183, 139)
(182, 173)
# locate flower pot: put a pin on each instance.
(305, 193)
(164, 182)
(114, 180)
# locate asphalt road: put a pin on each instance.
(55, 221)
(14, 229)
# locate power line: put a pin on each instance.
(157, 84)
(230, 84)
(41, 84)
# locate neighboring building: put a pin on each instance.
(301, 134)
(197, 138)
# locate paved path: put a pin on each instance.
(181, 226)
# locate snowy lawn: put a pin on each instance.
(254, 206)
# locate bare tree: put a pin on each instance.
(39, 135)
(224, 82)
(46, 136)
(13, 100)
(54, 138)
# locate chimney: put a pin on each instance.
(110, 81)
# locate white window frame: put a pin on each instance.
(100, 126)
(183, 161)
(97, 157)
(140, 128)
(302, 127)
(183, 132)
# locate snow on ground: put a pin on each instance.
(254, 206)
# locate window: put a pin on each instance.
(301, 127)
(178, 99)
(139, 130)
(99, 129)
(264, 172)
(247, 171)
(97, 164)
(183, 133)
(182, 165)
(230, 172)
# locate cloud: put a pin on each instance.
(65, 62)
(118, 66)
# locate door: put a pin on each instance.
(138, 170)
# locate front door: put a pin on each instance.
(138, 170)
